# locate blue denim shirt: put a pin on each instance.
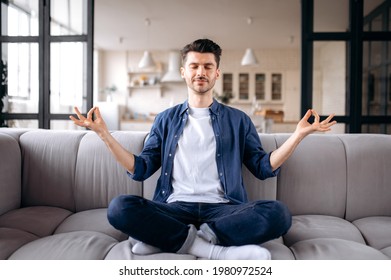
(237, 143)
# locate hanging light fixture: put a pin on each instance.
(147, 59)
(249, 58)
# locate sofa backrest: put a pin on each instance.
(10, 173)
(343, 175)
(74, 170)
(99, 178)
(313, 179)
(48, 171)
(368, 175)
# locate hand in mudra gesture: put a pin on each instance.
(304, 127)
(96, 124)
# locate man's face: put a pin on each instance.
(200, 72)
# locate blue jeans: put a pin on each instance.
(166, 225)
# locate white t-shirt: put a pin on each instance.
(195, 177)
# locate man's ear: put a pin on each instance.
(217, 73)
(182, 72)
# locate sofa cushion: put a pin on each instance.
(368, 175)
(11, 239)
(335, 249)
(38, 220)
(278, 250)
(99, 178)
(49, 160)
(10, 173)
(78, 245)
(123, 251)
(376, 231)
(318, 226)
(313, 179)
(387, 251)
(90, 220)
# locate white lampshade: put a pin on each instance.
(249, 58)
(146, 61)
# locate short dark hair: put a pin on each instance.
(202, 46)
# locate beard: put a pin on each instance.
(201, 85)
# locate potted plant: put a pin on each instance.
(3, 89)
(224, 97)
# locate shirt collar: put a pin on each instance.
(214, 108)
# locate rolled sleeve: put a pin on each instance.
(267, 169)
(139, 169)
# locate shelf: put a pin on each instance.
(158, 86)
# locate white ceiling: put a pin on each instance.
(174, 23)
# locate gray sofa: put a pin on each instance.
(55, 187)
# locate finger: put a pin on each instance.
(97, 113)
(90, 112)
(328, 118)
(315, 114)
(78, 113)
(77, 122)
(307, 114)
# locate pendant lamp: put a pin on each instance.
(249, 58)
(147, 60)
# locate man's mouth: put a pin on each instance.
(201, 80)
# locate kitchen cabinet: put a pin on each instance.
(266, 87)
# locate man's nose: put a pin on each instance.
(201, 71)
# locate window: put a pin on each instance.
(46, 47)
(357, 43)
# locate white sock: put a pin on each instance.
(203, 249)
(141, 248)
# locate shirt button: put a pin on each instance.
(163, 192)
(166, 173)
(218, 155)
(169, 155)
(221, 174)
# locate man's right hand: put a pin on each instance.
(97, 125)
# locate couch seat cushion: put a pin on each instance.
(278, 250)
(38, 220)
(335, 249)
(90, 220)
(376, 231)
(319, 226)
(387, 251)
(11, 239)
(79, 245)
(122, 251)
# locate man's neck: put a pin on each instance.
(200, 101)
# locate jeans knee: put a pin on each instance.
(278, 215)
(284, 216)
(118, 208)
